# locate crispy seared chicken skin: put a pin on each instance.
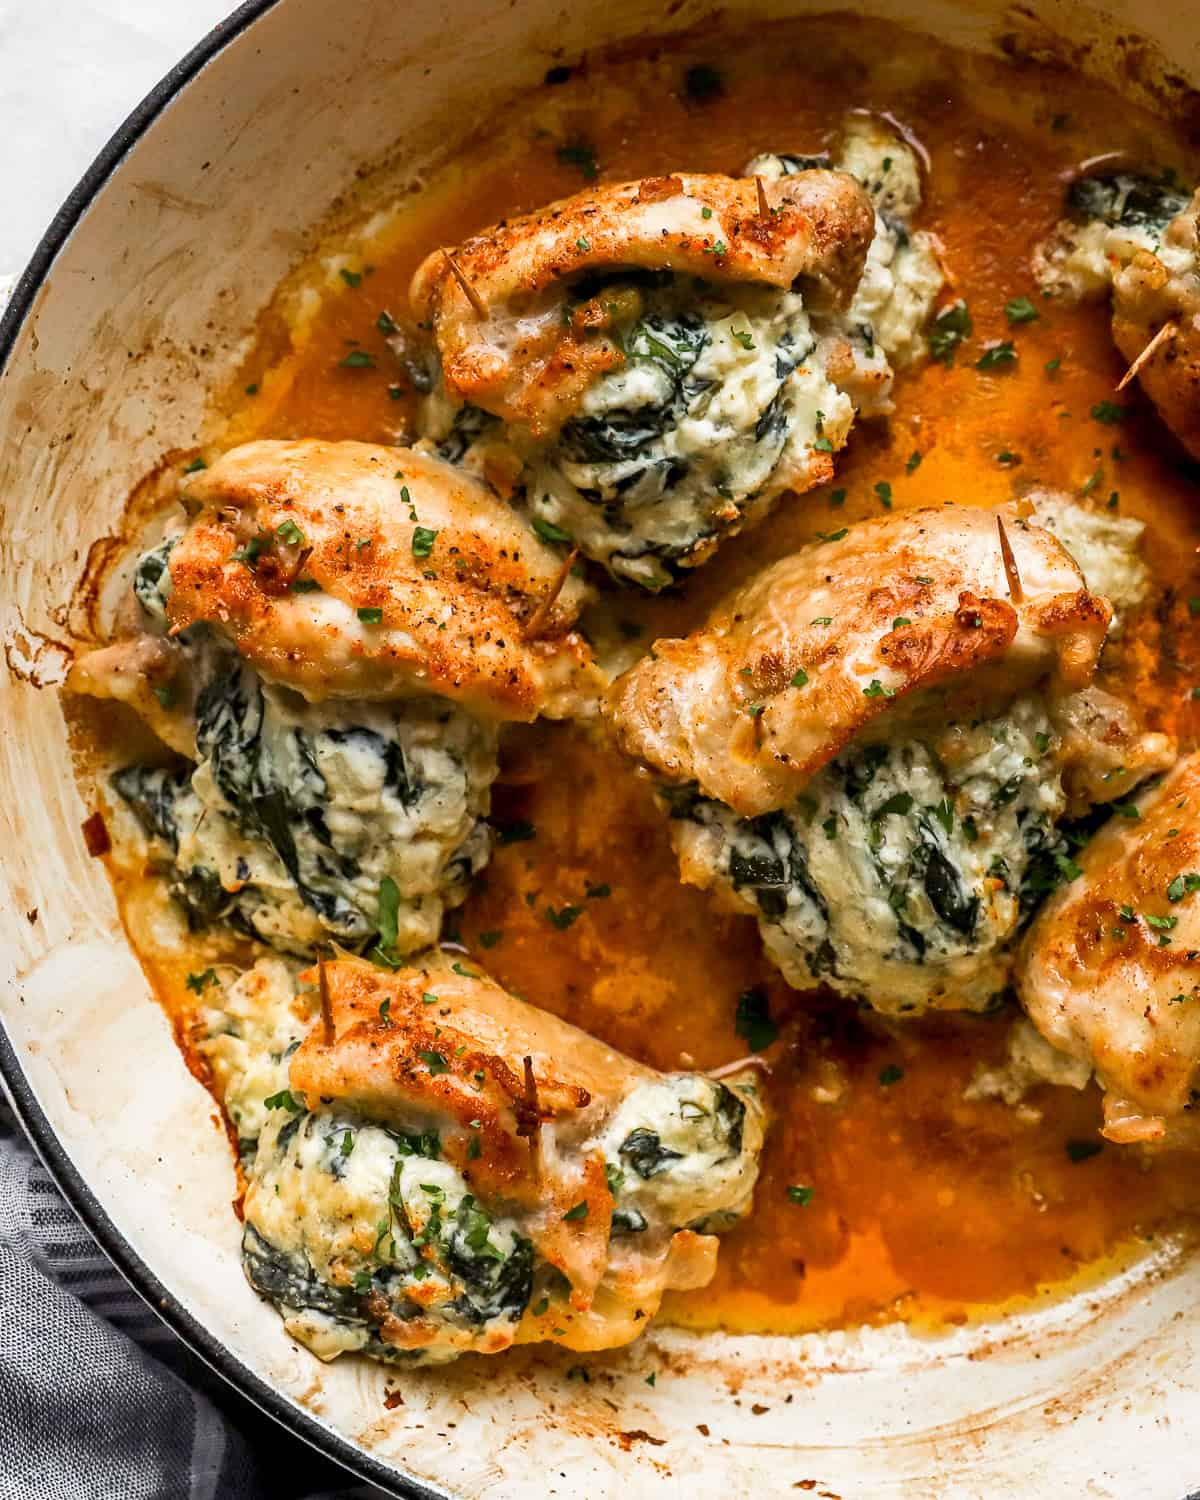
(903, 620)
(424, 581)
(522, 363)
(1109, 973)
(558, 1187)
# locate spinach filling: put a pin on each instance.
(719, 401)
(1129, 200)
(447, 1261)
(293, 818)
(900, 876)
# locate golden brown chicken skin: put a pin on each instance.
(609, 1172)
(1109, 973)
(505, 346)
(890, 622)
(348, 570)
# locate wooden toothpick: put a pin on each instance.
(1010, 564)
(326, 1004)
(764, 208)
(541, 614)
(469, 291)
(1167, 331)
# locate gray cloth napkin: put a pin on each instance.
(98, 1399)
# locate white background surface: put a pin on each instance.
(70, 71)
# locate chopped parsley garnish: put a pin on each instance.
(249, 553)
(579, 154)
(490, 939)
(252, 388)
(304, 586)
(1051, 365)
(837, 498)
(351, 278)
(347, 1143)
(290, 533)
(832, 536)
(422, 541)
(801, 1195)
(195, 466)
(799, 677)
(564, 917)
(284, 1099)
(877, 690)
(435, 1062)
(389, 912)
(357, 359)
(549, 532)
(197, 983)
(997, 356)
(1109, 412)
(385, 323)
(914, 461)
(1183, 885)
(1127, 810)
(370, 614)
(580, 1211)
(752, 1020)
(884, 490)
(1042, 740)
(950, 327)
(900, 621)
(893, 1073)
(706, 212)
(943, 811)
(743, 337)
(599, 892)
(165, 693)
(899, 802)
(1020, 310)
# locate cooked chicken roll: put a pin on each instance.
(440, 1167)
(883, 326)
(1109, 973)
(347, 570)
(338, 571)
(872, 745)
(1138, 235)
(638, 362)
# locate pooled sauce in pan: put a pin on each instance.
(884, 1193)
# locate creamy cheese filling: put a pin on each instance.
(902, 277)
(903, 873)
(302, 822)
(678, 1149)
(1110, 219)
(721, 402)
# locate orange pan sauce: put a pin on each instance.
(923, 1206)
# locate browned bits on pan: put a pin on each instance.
(95, 836)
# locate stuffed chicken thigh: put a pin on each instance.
(1109, 973)
(1136, 235)
(439, 1167)
(872, 746)
(639, 363)
(312, 574)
